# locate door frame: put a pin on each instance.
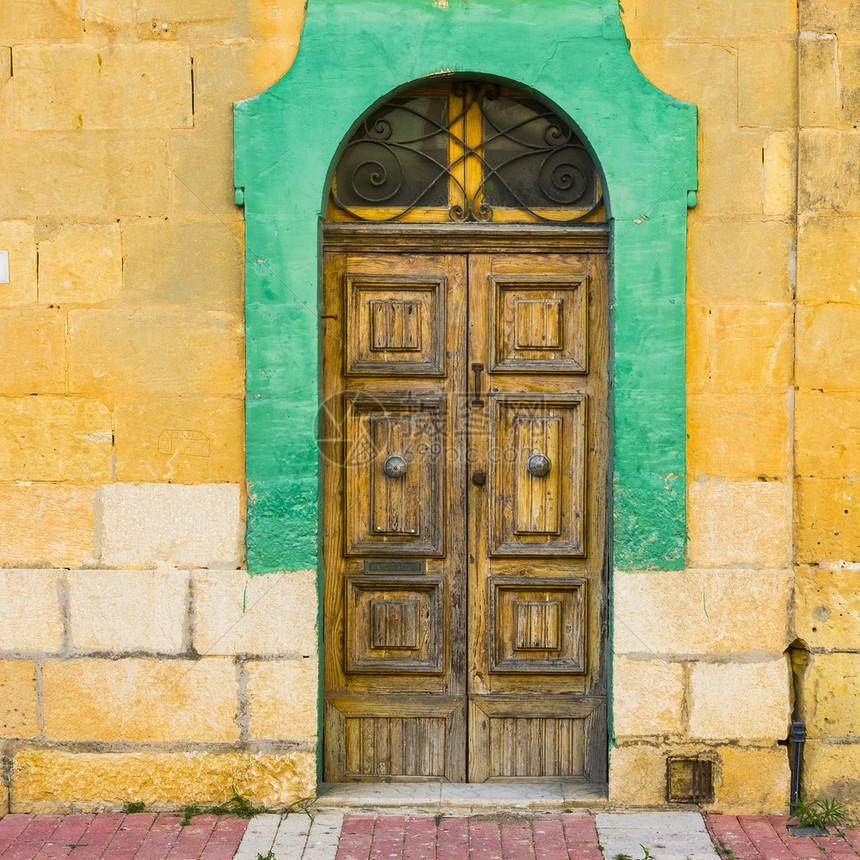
(440, 238)
(574, 57)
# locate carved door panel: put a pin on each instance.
(463, 616)
(539, 432)
(394, 517)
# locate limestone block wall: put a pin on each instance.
(703, 658)
(827, 433)
(137, 659)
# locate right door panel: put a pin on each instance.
(538, 429)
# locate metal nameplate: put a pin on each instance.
(391, 565)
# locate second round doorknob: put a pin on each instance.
(394, 466)
(538, 465)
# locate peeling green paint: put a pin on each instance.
(354, 54)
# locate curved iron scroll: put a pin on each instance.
(412, 153)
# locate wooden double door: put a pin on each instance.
(464, 447)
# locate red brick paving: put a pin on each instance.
(766, 837)
(147, 836)
(114, 836)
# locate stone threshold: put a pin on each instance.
(460, 797)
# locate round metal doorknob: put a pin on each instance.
(394, 466)
(538, 465)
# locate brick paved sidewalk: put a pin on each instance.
(765, 837)
(115, 836)
(420, 837)
(570, 836)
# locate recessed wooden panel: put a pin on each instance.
(395, 736)
(395, 327)
(537, 514)
(394, 625)
(394, 515)
(538, 738)
(537, 625)
(538, 325)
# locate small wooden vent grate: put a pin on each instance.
(689, 780)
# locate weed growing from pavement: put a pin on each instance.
(821, 814)
(647, 856)
(132, 806)
(269, 855)
(725, 852)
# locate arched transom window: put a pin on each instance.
(465, 152)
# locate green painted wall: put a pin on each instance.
(353, 54)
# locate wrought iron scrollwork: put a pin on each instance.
(412, 153)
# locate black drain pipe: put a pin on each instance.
(798, 736)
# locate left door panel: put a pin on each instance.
(394, 486)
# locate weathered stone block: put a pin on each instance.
(828, 259)
(193, 440)
(739, 260)
(171, 525)
(155, 701)
(201, 182)
(778, 174)
(738, 523)
(698, 344)
(282, 697)
(737, 174)
(663, 19)
(32, 352)
(114, 14)
(832, 771)
(186, 19)
(49, 780)
(700, 73)
(753, 781)
(194, 262)
(18, 699)
(828, 346)
(224, 74)
(17, 237)
(120, 86)
(829, 520)
(740, 701)
(767, 83)
(750, 347)
(186, 352)
(737, 435)
(827, 180)
(695, 612)
(648, 697)
(50, 438)
(747, 779)
(637, 774)
(81, 264)
(849, 82)
(829, 696)
(827, 434)
(40, 19)
(830, 16)
(30, 611)
(120, 177)
(47, 525)
(128, 610)
(827, 607)
(268, 614)
(819, 77)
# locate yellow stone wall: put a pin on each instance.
(138, 660)
(764, 625)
